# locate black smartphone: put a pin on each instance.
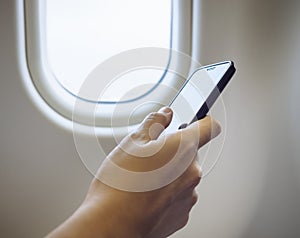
(199, 93)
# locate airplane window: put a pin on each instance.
(82, 34)
(67, 41)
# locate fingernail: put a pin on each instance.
(165, 110)
(182, 126)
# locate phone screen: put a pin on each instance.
(199, 93)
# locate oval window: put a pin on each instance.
(67, 41)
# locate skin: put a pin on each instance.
(110, 212)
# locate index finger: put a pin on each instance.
(202, 131)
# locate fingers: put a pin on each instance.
(192, 176)
(201, 131)
(154, 124)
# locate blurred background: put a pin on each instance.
(253, 191)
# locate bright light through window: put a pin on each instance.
(83, 33)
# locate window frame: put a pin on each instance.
(52, 92)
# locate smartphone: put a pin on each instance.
(199, 93)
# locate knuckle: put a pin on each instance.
(138, 136)
(198, 171)
(156, 116)
(196, 180)
(195, 198)
(134, 135)
(152, 114)
(195, 174)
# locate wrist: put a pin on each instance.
(109, 219)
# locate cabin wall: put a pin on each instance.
(253, 191)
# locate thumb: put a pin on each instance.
(154, 124)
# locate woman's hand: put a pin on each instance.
(156, 204)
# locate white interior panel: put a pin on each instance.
(254, 189)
